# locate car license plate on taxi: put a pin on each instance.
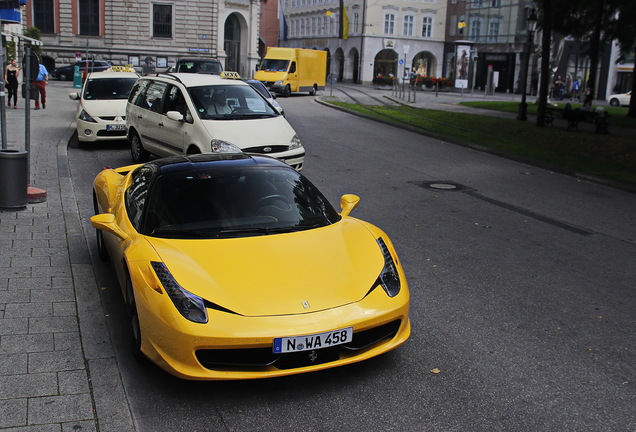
(116, 127)
(313, 341)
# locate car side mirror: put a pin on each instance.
(74, 96)
(175, 115)
(347, 203)
(106, 222)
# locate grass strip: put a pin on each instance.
(612, 157)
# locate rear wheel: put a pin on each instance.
(312, 91)
(102, 252)
(614, 102)
(137, 151)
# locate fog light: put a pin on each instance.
(88, 132)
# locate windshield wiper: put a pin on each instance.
(181, 233)
(266, 231)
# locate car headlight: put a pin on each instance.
(219, 146)
(192, 307)
(86, 117)
(277, 83)
(389, 277)
(295, 142)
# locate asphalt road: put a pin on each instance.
(523, 297)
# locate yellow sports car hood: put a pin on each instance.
(280, 274)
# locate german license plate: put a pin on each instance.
(115, 127)
(313, 341)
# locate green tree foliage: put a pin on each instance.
(34, 33)
(594, 22)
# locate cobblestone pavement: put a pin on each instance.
(57, 367)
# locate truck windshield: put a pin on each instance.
(273, 65)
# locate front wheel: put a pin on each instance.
(287, 91)
(137, 151)
(102, 252)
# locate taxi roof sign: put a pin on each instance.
(127, 68)
(230, 75)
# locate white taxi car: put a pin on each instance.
(179, 113)
(101, 111)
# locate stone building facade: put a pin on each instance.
(149, 34)
(383, 37)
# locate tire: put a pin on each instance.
(137, 151)
(62, 76)
(614, 102)
(312, 92)
(287, 91)
(133, 321)
(102, 252)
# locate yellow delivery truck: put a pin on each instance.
(287, 70)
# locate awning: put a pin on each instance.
(14, 37)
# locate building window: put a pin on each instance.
(475, 29)
(408, 25)
(427, 27)
(43, 16)
(389, 24)
(493, 31)
(89, 17)
(162, 21)
(356, 23)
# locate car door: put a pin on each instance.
(149, 119)
(175, 132)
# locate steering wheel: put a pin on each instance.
(239, 110)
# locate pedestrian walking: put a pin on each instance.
(41, 82)
(11, 74)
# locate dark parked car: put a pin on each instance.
(197, 65)
(66, 73)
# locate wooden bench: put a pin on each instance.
(600, 118)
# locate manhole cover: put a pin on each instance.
(442, 186)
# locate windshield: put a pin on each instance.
(235, 202)
(108, 88)
(273, 65)
(260, 87)
(230, 102)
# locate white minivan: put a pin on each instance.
(179, 113)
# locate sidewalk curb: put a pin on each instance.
(110, 403)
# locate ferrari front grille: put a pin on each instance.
(252, 359)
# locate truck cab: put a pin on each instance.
(293, 70)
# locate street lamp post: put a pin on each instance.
(532, 26)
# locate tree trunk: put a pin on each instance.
(546, 37)
(631, 112)
(595, 43)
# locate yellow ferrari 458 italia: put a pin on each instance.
(235, 266)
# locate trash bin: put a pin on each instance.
(13, 179)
